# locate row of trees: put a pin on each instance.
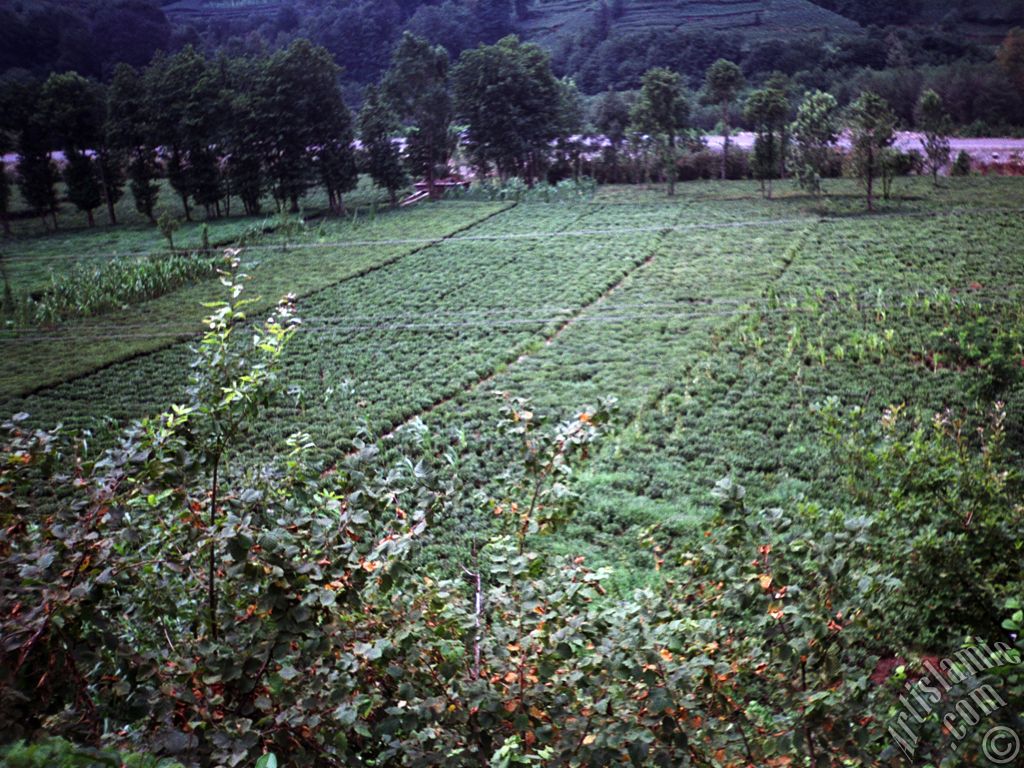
(505, 96)
(807, 141)
(243, 128)
(231, 128)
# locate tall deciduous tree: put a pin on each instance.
(662, 111)
(509, 98)
(417, 87)
(129, 130)
(872, 131)
(246, 131)
(304, 107)
(815, 132)
(767, 110)
(335, 157)
(722, 84)
(935, 124)
(36, 172)
(170, 89)
(70, 105)
(377, 127)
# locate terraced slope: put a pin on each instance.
(553, 20)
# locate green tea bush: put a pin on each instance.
(327, 646)
(944, 500)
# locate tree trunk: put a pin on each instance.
(90, 218)
(6, 224)
(783, 141)
(107, 197)
(184, 204)
(295, 204)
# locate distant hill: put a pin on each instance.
(186, 11)
(553, 20)
(978, 19)
(839, 45)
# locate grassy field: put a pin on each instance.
(718, 319)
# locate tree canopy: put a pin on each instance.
(509, 99)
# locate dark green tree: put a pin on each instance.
(336, 160)
(767, 110)
(662, 111)
(815, 132)
(166, 83)
(933, 121)
(72, 107)
(872, 127)
(417, 87)
(130, 131)
(182, 90)
(204, 135)
(722, 84)
(247, 131)
(83, 184)
(611, 119)
(377, 127)
(510, 101)
(300, 99)
(37, 174)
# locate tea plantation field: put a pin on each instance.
(721, 322)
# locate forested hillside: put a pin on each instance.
(840, 45)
